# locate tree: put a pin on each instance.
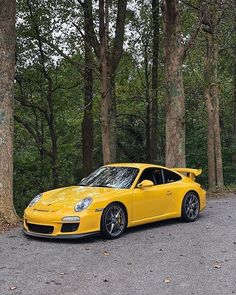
(109, 56)
(234, 81)
(7, 70)
(174, 55)
(87, 124)
(153, 106)
(215, 167)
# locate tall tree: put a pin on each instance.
(7, 71)
(174, 55)
(234, 82)
(215, 167)
(153, 100)
(87, 124)
(175, 99)
(109, 54)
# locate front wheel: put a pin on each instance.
(190, 207)
(114, 221)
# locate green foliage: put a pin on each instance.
(32, 172)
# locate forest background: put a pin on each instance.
(122, 81)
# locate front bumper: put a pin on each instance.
(67, 236)
(50, 224)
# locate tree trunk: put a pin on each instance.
(148, 108)
(175, 98)
(7, 72)
(234, 119)
(87, 124)
(53, 135)
(234, 88)
(153, 100)
(109, 57)
(210, 140)
(215, 167)
(107, 87)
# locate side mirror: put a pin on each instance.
(145, 183)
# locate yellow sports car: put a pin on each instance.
(115, 197)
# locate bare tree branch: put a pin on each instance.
(34, 134)
(191, 40)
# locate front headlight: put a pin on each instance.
(35, 200)
(83, 204)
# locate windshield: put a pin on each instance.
(115, 177)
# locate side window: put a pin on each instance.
(147, 175)
(170, 176)
(158, 176)
(153, 174)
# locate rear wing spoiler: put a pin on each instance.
(191, 173)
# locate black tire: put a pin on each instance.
(113, 221)
(190, 207)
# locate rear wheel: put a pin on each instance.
(190, 207)
(114, 221)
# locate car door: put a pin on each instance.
(174, 187)
(152, 201)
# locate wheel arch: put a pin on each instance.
(121, 204)
(193, 191)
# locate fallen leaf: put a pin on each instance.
(62, 273)
(106, 253)
(13, 288)
(167, 280)
(217, 266)
(105, 281)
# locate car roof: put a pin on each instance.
(135, 165)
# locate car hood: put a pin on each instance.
(63, 198)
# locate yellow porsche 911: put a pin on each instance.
(115, 197)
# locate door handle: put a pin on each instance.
(169, 193)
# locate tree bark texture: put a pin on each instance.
(215, 167)
(87, 124)
(7, 72)
(175, 98)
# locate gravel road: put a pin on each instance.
(168, 257)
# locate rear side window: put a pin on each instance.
(170, 176)
(153, 174)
